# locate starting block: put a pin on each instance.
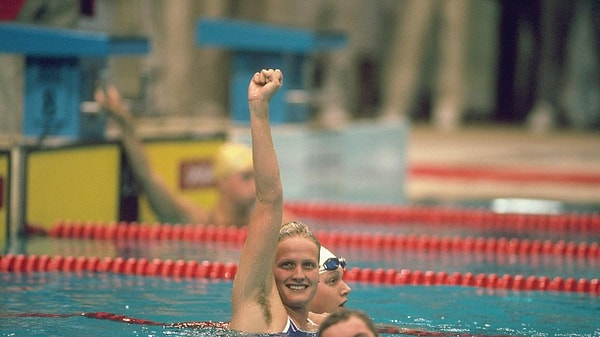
(61, 68)
(257, 46)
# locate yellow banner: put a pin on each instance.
(73, 183)
(186, 167)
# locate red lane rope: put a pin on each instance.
(425, 242)
(135, 231)
(123, 319)
(396, 214)
(491, 281)
(216, 270)
(201, 233)
(389, 214)
(503, 174)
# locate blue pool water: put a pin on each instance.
(442, 309)
(445, 310)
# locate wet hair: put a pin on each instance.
(343, 315)
(296, 228)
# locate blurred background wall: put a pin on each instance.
(444, 62)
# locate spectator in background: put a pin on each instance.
(407, 51)
(554, 27)
(548, 64)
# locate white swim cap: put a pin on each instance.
(324, 255)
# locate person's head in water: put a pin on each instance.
(332, 292)
(234, 173)
(296, 268)
(347, 323)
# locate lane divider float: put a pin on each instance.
(365, 240)
(480, 218)
(21, 263)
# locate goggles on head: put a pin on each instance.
(334, 263)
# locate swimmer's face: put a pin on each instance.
(239, 186)
(296, 271)
(332, 292)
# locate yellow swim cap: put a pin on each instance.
(231, 158)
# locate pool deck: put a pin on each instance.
(476, 163)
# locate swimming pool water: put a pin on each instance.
(435, 310)
(448, 310)
(160, 300)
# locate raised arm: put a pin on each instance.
(256, 305)
(168, 206)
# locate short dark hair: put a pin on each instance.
(343, 315)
